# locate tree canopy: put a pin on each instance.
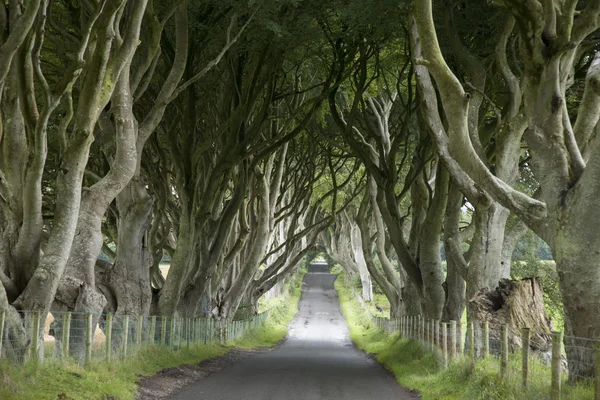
(237, 137)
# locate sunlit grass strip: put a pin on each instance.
(418, 369)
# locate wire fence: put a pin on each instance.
(90, 338)
(529, 358)
(550, 364)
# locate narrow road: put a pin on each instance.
(317, 361)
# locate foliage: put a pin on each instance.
(531, 247)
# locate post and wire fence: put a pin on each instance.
(88, 338)
(532, 358)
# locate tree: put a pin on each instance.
(564, 160)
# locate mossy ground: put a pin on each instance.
(117, 380)
(419, 369)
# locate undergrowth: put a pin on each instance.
(57, 379)
(418, 369)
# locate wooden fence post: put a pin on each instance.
(35, 336)
(432, 328)
(402, 327)
(152, 338)
(486, 339)
(504, 350)
(88, 338)
(525, 338)
(188, 331)
(417, 326)
(176, 335)
(444, 345)
(125, 334)
(172, 333)
(140, 327)
(108, 343)
(471, 336)
(422, 328)
(596, 369)
(194, 329)
(452, 339)
(163, 331)
(2, 318)
(460, 339)
(66, 334)
(556, 365)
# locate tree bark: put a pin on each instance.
(430, 245)
(358, 252)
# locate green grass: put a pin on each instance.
(116, 380)
(418, 369)
(380, 306)
(281, 312)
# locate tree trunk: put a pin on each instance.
(413, 300)
(388, 279)
(485, 270)
(129, 279)
(180, 263)
(512, 235)
(456, 265)
(430, 245)
(359, 257)
(577, 267)
(256, 251)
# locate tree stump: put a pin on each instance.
(516, 304)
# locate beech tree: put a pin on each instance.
(106, 44)
(238, 137)
(552, 40)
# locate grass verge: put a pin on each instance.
(281, 312)
(418, 369)
(106, 380)
(56, 379)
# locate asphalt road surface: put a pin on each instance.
(317, 361)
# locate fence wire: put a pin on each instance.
(546, 364)
(88, 338)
